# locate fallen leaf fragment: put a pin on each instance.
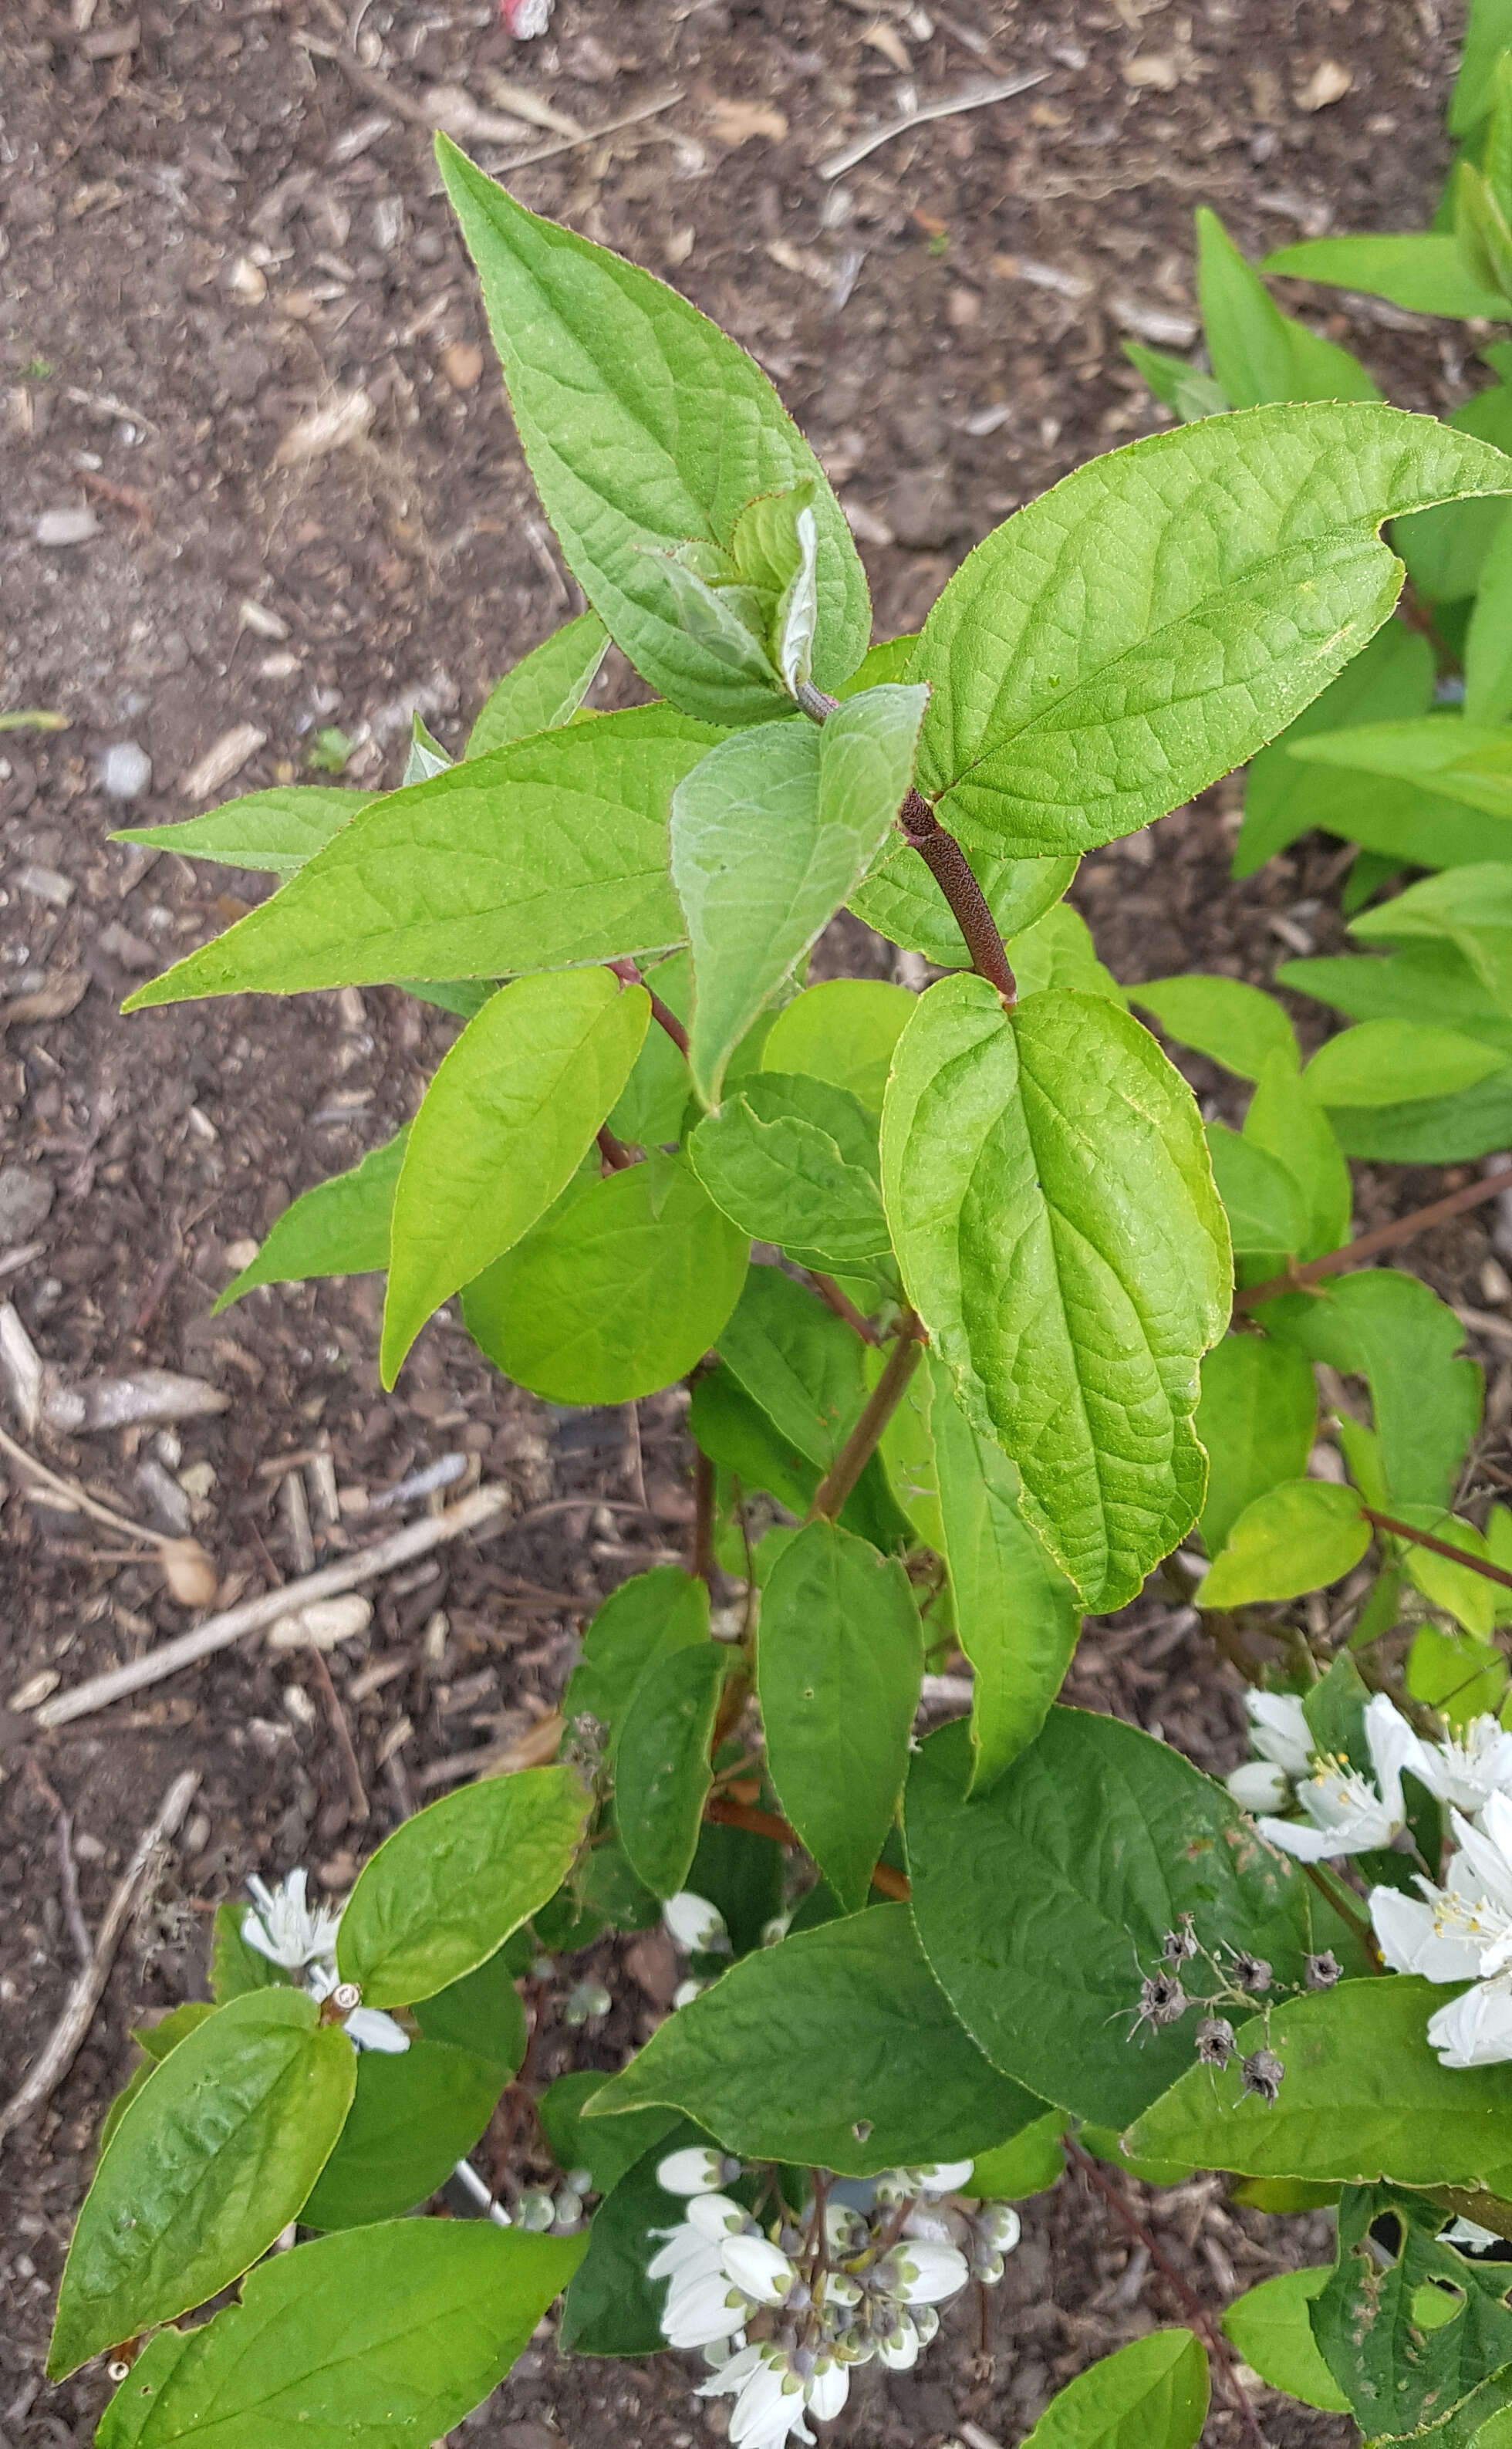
(1156, 70)
(344, 419)
(462, 365)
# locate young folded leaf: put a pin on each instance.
(545, 687)
(501, 1129)
(1071, 1297)
(1155, 618)
(542, 855)
(603, 361)
(770, 835)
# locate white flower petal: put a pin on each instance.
(715, 2217)
(1475, 2030)
(761, 2268)
(1279, 1730)
(1411, 1939)
(1303, 1843)
(924, 2274)
(731, 2376)
(943, 2176)
(701, 2309)
(369, 2028)
(1393, 1747)
(827, 2391)
(901, 2352)
(693, 1923)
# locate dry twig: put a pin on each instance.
(973, 98)
(63, 2044)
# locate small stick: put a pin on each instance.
(730, 1814)
(350, 1766)
(1381, 1237)
(704, 1493)
(1488, 1572)
(78, 1499)
(64, 2042)
(947, 863)
(861, 1443)
(1196, 2312)
(219, 1632)
(67, 1868)
(835, 1298)
(973, 98)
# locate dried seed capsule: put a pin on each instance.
(1214, 2041)
(1262, 2074)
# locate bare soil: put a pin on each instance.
(209, 228)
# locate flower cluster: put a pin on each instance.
(1347, 1812)
(1462, 1932)
(281, 1924)
(783, 2312)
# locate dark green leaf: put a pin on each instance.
(638, 1623)
(1092, 1846)
(618, 1291)
(662, 1770)
(235, 1967)
(1257, 1420)
(606, 2146)
(799, 1363)
(838, 1665)
(415, 2113)
(888, 2077)
(382, 2338)
(481, 2013)
(449, 1885)
(1407, 2334)
(212, 2157)
(611, 2307)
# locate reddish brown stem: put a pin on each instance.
(1191, 2305)
(1382, 1236)
(834, 1298)
(628, 973)
(1488, 1572)
(730, 1814)
(613, 1151)
(947, 862)
(861, 1443)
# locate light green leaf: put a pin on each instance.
(338, 1228)
(1158, 615)
(1271, 2326)
(1229, 1022)
(501, 1131)
(1444, 550)
(1422, 974)
(608, 2147)
(214, 2155)
(639, 1624)
(776, 549)
(547, 853)
(1464, 760)
(1257, 1420)
(770, 833)
(1182, 387)
(1463, 1594)
(545, 687)
(235, 1966)
(1396, 1062)
(619, 1290)
(1258, 354)
(1091, 1847)
(1488, 639)
(1028, 2164)
(1058, 951)
(415, 2113)
(381, 2338)
(844, 1031)
(889, 2078)
(445, 1890)
(1264, 1203)
(1420, 270)
(1299, 1537)
(1462, 1678)
(838, 1663)
(1487, 34)
(1286, 1119)
(1364, 2097)
(1391, 1330)
(612, 375)
(794, 1160)
(901, 899)
(662, 1772)
(1016, 1618)
(1072, 1296)
(1152, 2394)
(1468, 907)
(801, 1363)
(1284, 798)
(271, 831)
(887, 660)
(1436, 1131)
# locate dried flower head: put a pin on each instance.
(1251, 1973)
(1162, 2000)
(1262, 2074)
(1179, 1945)
(1321, 1972)
(1214, 2041)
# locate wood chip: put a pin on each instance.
(735, 123)
(54, 1002)
(974, 98)
(221, 762)
(462, 365)
(323, 1623)
(882, 37)
(343, 420)
(1155, 70)
(1330, 81)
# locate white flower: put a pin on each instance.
(1258, 1786)
(999, 2227)
(1279, 1730)
(366, 2028)
(694, 1924)
(769, 2396)
(282, 1926)
(828, 2390)
(685, 2250)
(697, 2170)
(1476, 2029)
(702, 2306)
(761, 2269)
(715, 2217)
(1411, 1941)
(898, 2342)
(941, 2176)
(1349, 1814)
(1469, 1768)
(922, 2273)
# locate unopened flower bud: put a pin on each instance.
(1321, 1972)
(585, 2001)
(693, 1923)
(999, 2227)
(716, 2216)
(762, 2271)
(569, 2209)
(1214, 2041)
(581, 2180)
(534, 2209)
(987, 2268)
(685, 1993)
(1262, 2075)
(941, 2176)
(697, 2170)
